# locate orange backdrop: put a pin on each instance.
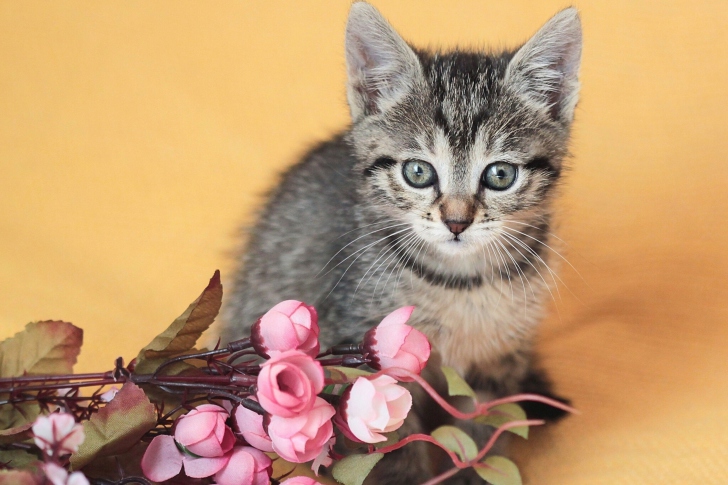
(135, 137)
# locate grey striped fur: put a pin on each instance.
(343, 230)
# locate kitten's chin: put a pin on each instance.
(458, 247)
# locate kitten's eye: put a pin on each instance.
(499, 175)
(419, 174)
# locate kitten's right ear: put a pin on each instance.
(382, 68)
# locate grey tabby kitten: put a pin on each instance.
(439, 195)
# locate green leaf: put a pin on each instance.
(17, 434)
(117, 426)
(17, 416)
(341, 375)
(49, 347)
(455, 439)
(505, 413)
(18, 458)
(117, 467)
(183, 333)
(456, 385)
(19, 477)
(392, 438)
(499, 471)
(353, 469)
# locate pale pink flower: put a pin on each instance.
(250, 425)
(58, 475)
(301, 481)
(371, 407)
(58, 434)
(247, 466)
(203, 434)
(324, 457)
(110, 394)
(288, 383)
(203, 431)
(290, 325)
(394, 345)
(162, 460)
(301, 438)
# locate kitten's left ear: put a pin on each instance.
(546, 68)
(382, 68)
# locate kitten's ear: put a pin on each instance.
(546, 68)
(382, 68)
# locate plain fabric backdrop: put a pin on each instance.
(136, 137)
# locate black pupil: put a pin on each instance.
(501, 174)
(419, 172)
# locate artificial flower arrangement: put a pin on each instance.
(245, 414)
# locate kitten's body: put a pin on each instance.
(346, 232)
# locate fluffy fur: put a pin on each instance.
(345, 232)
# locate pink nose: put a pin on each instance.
(457, 227)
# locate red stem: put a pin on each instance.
(442, 477)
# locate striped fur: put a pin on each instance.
(345, 232)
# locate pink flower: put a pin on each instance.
(371, 407)
(290, 325)
(301, 481)
(58, 475)
(301, 438)
(288, 383)
(203, 435)
(110, 394)
(250, 425)
(394, 345)
(247, 466)
(58, 434)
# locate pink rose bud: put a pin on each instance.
(290, 325)
(371, 407)
(203, 431)
(288, 383)
(58, 475)
(301, 438)
(163, 460)
(247, 466)
(250, 425)
(301, 481)
(58, 434)
(395, 345)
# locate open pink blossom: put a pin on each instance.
(247, 466)
(58, 475)
(250, 425)
(301, 438)
(395, 345)
(371, 407)
(290, 325)
(163, 460)
(301, 481)
(58, 434)
(203, 431)
(288, 383)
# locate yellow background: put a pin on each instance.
(136, 136)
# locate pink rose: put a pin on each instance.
(288, 383)
(250, 425)
(290, 325)
(247, 466)
(203, 431)
(301, 438)
(205, 437)
(58, 475)
(58, 434)
(373, 406)
(394, 345)
(301, 481)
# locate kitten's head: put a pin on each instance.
(458, 144)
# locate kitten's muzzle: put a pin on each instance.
(457, 227)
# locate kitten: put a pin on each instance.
(438, 195)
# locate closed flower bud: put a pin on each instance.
(302, 438)
(371, 407)
(250, 425)
(288, 383)
(247, 466)
(203, 431)
(290, 325)
(300, 481)
(395, 345)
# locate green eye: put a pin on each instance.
(499, 175)
(419, 174)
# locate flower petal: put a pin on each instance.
(162, 460)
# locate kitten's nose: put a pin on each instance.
(456, 227)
